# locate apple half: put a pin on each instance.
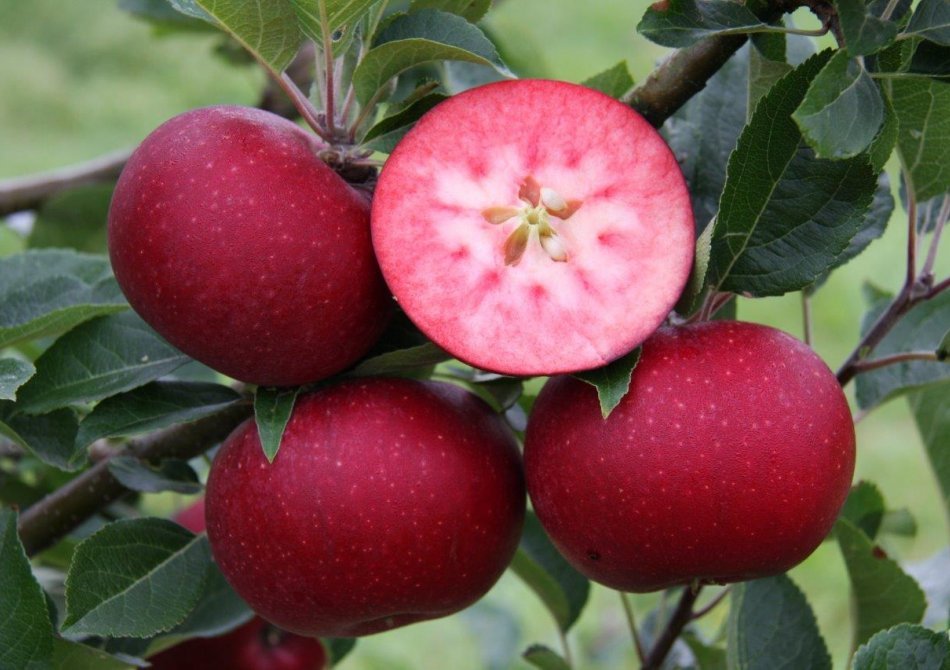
(534, 227)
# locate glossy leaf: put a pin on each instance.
(771, 625)
(681, 23)
(612, 381)
(785, 216)
(385, 135)
(923, 140)
(75, 219)
(472, 10)
(152, 567)
(47, 292)
(842, 111)
(614, 82)
(905, 647)
(171, 474)
(931, 20)
(14, 373)
(26, 633)
(422, 37)
(883, 594)
(98, 359)
(864, 508)
(561, 588)
(69, 655)
(272, 410)
(342, 16)
(544, 658)
(863, 32)
(51, 437)
(219, 609)
(400, 361)
(153, 406)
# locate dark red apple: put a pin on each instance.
(256, 645)
(534, 227)
(728, 460)
(390, 501)
(234, 241)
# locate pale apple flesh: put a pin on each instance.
(390, 501)
(534, 227)
(728, 460)
(233, 240)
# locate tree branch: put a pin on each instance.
(50, 519)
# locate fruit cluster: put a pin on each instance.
(527, 228)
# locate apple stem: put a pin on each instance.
(632, 623)
(682, 615)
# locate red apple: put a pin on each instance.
(534, 227)
(728, 460)
(234, 241)
(390, 501)
(256, 645)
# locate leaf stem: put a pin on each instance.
(939, 224)
(568, 658)
(365, 112)
(889, 10)
(303, 105)
(632, 624)
(682, 615)
(883, 361)
(329, 99)
(711, 605)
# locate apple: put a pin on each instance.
(534, 227)
(235, 242)
(390, 501)
(256, 645)
(728, 460)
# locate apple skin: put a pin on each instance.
(728, 460)
(232, 239)
(255, 645)
(390, 501)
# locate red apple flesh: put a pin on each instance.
(390, 501)
(728, 460)
(256, 645)
(534, 227)
(233, 240)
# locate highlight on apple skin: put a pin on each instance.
(238, 244)
(728, 460)
(390, 501)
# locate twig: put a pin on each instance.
(711, 605)
(31, 191)
(682, 615)
(632, 623)
(50, 519)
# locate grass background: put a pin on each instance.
(78, 79)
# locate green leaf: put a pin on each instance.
(905, 647)
(385, 135)
(696, 286)
(400, 361)
(863, 32)
(704, 132)
(943, 349)
(899, 522)
(69, 655)
(771, 625)
(930, 60)
(920, 329)
(562, 589)
(152, 567)
(272, 410)
(98, 359)
(681, 23)
(766, 66)
(26, 633)
(883, 145)
(544, 658)
(874, 224)
(931, 20)
(268, 29)
(611, 381)
(13, 374)
(931, 574)
(931, 409)
(172, 474)
(842, 110)
(472, 10)
(422, 37)
(614, 82)
(47, 292)
(923, 140)
(74, 219)
(338, 647)
(218, 611)
(708, 657)
(163, 16)
(50, 437)
(153, 406)
(785, 216)
(864, 508)
(342, 17)
(883, 595)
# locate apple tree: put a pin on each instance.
(421, 319)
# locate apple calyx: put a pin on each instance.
(541, 203)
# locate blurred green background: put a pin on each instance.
(78, 79)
